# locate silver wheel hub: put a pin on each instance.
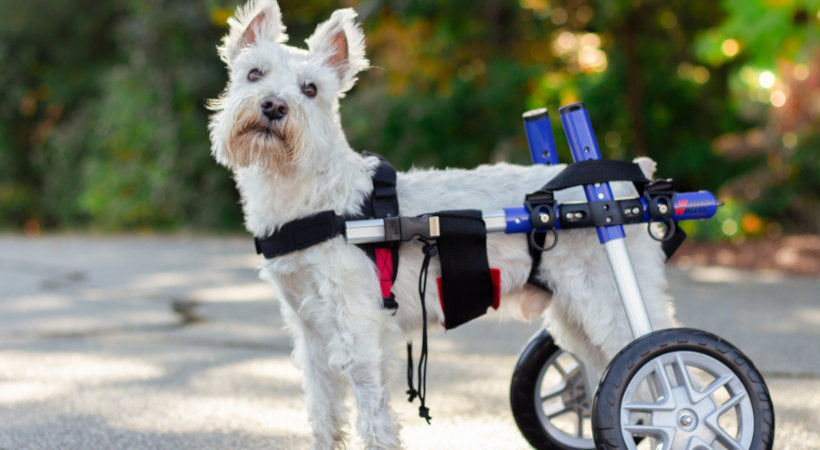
(687, 420)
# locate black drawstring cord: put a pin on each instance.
(429, 250)
(411, 391)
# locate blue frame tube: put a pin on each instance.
(584, 147)
(539, 137)
(695, 205)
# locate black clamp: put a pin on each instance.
(602, 213)
(541, 206)
(660, 196)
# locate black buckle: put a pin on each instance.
(408, 228)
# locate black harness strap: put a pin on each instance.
(383, 202)
(535, 256)
(597, 171)
(300, 234)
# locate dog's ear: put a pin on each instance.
(341, 42)
(257, 20)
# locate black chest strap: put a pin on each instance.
(300, 234)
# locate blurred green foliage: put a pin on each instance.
(103, 122)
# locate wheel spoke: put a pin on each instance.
(571, 367)
(647, 407)
(555, 409)
(725, 439)
(665, 434)
(717, 384)
(697, 443)
(712, 421)
(560, 369)
(554, 391)
(663, 377)
(579, 424)
(731, 403)
(696, 396)
(668, 402)
(686, 379)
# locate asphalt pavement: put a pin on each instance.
(173, 342)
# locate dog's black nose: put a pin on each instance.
(274, 108)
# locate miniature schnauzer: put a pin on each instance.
(277, 127)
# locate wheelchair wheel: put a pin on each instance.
(682, 388)
(548, 397)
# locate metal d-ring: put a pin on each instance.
(670, 229)
(538, 247)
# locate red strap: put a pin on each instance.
(384, 264)
(495, 275)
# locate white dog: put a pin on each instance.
(277, 127)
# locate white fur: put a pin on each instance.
(332, 302)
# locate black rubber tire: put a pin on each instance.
(606, 407)
(524, 389)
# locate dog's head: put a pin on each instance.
(280, 107)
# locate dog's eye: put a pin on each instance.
(255, 75)
(309, 90)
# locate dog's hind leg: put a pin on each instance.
(324, 388)
(571, 337)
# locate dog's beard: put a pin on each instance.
(255, 141)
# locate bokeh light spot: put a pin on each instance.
(730, 47)
(559, 16)
(766, 79)
(613, 139)
(700, 74)
(801, 72)
(729, 227)
(778, 98)
(789, 139)
(668, 20)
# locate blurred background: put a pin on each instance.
(103, 124)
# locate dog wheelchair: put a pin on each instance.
(672, 389)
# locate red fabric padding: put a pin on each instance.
(495, 275)
(384, 263)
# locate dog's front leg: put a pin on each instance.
(359, 353)
(324, 388)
